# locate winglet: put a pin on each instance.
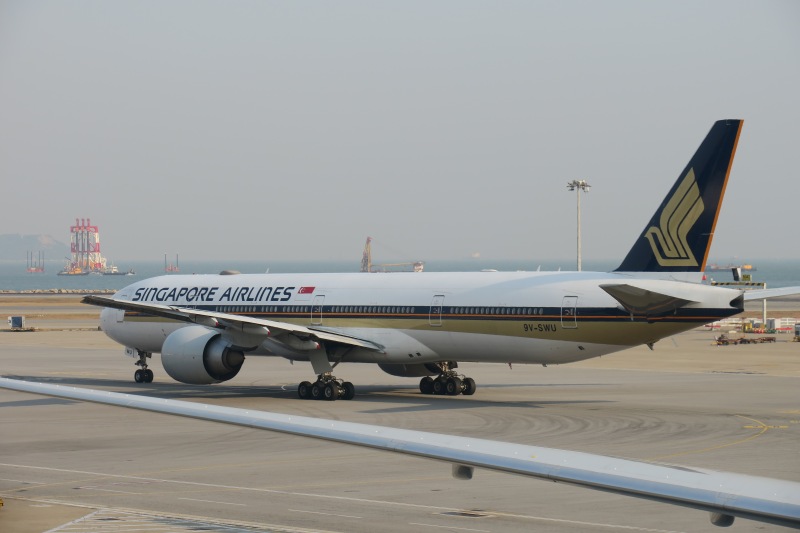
(678, 237)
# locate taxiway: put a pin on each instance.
(70, 466)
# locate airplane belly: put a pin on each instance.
(479, 347)
(145, 335)
(419, 346)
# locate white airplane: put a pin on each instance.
(724, 495)
(423, 324)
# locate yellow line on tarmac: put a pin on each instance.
(763, 428)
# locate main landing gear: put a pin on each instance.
(327, 387)
(448, 382)
(144, 374)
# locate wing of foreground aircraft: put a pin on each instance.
(724, 495)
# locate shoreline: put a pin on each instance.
(55, 292)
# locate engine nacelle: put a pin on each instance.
(199, 356)
(416, 370)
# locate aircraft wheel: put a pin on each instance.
(469, 387)
(331, 391)
(426, 385)
(349, 391)
(139, 376)
(316, 390)
(439, 386)
(304, 390)
(148, 376)
(453, 386)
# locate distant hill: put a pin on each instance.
(16, 247)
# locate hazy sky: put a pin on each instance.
(292, 130)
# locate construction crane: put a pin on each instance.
(366, 257)
(367, 266)
(172, 267)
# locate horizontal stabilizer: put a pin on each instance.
(763, 294)
(641, 301)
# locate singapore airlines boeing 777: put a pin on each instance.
(423, 324)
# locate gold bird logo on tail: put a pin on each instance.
(679, 216)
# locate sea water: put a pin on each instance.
(13, 276)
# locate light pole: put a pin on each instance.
(578, 185)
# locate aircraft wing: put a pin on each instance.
(231, 322)
(724, 495)
(763, 294)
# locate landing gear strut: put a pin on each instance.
(144, 374)
(448, 382)
(327, 387)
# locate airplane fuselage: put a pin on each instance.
(509, 317)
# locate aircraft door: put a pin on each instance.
(435, 316)
(316, 310)
(569, 311)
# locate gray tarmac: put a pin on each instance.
(71, 467)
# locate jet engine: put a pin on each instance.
(199, 356)
(415, 370)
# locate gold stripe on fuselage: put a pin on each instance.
(617, 330)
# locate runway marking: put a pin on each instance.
(225, 466)
(331, 497)
(212, 501)
(111, 490)
(759, 425)
(267, 463)
(449, 527)
(20, 481)
(114, 520)
(68, 524)
(580, 523)
(325, 514)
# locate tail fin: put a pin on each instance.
(678, 237)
